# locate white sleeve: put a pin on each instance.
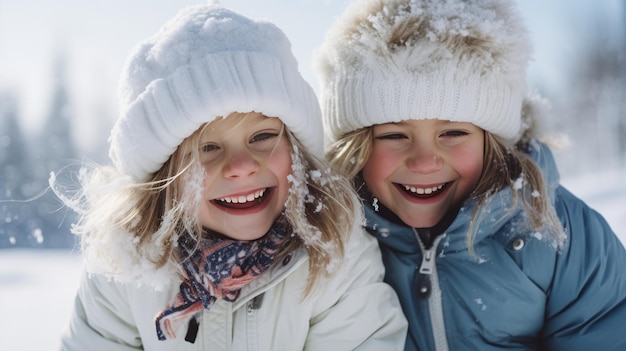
(101, 319)
(358, 311)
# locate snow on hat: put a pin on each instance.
(207, 62)
(392, 60)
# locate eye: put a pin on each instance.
(391, 136)
(206, 148)
(454, 133)
(265, 140)
(209, 152)
(263, 136)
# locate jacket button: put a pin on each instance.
(384, 232)
(286, 260)
(518, 244)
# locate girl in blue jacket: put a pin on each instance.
(428, 109)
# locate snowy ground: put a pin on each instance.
(37, 287)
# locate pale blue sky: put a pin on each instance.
(96, 36)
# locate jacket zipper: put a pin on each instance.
(251, 324)
(428, 287)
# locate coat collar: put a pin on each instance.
(278, 272)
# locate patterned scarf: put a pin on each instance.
(218, 269)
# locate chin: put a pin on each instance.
(419, 222)
(246, 234)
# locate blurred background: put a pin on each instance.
(59, 65)
(60, 61)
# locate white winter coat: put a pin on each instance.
(354, 310)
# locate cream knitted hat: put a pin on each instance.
(207, 62)
(393, 60)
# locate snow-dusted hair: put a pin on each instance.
(130, 229)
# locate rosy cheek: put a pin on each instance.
(379, 166)
(469, 164)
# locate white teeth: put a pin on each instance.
(422, 191)
(241, 198)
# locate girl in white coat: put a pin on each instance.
(218, 227)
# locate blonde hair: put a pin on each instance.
(503, 165)
(322, 208)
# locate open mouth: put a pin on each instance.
(423, 192)
(244, 202)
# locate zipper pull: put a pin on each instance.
(427, 262)
(192, 329)
(422, 281)
(256, 303)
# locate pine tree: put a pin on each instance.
(55, 150)
(14, 163)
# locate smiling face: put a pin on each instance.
(246, 162)
(421, 169)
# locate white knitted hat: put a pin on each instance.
(393, 60)
(207, 62)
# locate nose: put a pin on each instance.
(424, 161)
(240, 164)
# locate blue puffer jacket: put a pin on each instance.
(518, 292)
